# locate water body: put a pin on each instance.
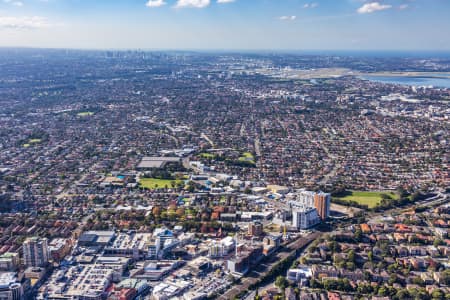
(411, 81)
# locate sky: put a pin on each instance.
(412, 25)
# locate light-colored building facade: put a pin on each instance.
(305, 217)
(35, 252)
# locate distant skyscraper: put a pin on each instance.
(35, 252)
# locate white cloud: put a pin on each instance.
(24, 22)
(311, 5)
(225, 1)
(403, 6)
(155, 3)
(371, 7)
(15, 3)
(192, 3)
(287, 18)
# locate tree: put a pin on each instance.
(402, 192)
(386, 197)
(314, 284)
(437, 242)
(191, 188)
(334, 246)
(358, 235)
(351, 256)
(438, 295)
(257, 297)
(350, 265)
(281, 282)
(392, 279)
(418, 281)
(382, 292)
(180, 212)
(402, 294)
(392, 268)
(446, 277)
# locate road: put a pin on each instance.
(336, 167)
(204, 136)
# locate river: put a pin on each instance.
(411, 81)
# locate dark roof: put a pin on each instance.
(87, 238)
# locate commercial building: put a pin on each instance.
(161, 243)
(10, 287)
(35, 252)
(148, 163)
(170, 289)
(88, 282)
(221, 248)
(155, 271)
(238, 265)
(59, 248)
(270, 244)
(96, 238)
(133, 245)
(9, 261)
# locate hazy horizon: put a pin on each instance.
(227, 25)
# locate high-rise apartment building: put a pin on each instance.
(305, 217)
(35, 252)
(322, 202)
(255, 229)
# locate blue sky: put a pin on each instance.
(227, 24)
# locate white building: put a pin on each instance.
(303, 198)
(163, 241)
(130, 245)
(299, 273)
(87, 282)
(10, 288)
(304, 217)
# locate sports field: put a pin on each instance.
(371, 199)
(248, 157)
(154, 184)
(32, 142)
(207, 155)
(85, 114)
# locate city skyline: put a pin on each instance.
(413, 25)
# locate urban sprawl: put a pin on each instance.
(176, 175)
